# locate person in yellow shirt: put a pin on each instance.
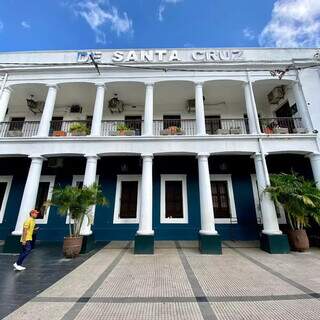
(26, 239)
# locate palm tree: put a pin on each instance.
(76, 203)
(300, 199)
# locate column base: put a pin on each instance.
(210, 244)
(274, 243)
(12, 244)
(88, 243)
(143, 244)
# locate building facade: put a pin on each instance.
(182, 141)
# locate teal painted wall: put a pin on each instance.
(108, 167)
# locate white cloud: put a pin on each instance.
(1, 25)
(25, 25)
(248, 33)
(98, 14)
(294, 23)
(163, 5)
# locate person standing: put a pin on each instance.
(26, 239)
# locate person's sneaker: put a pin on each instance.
(17, 267)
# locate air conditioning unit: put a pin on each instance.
(75, 108)
(55, 162)
(276, 95)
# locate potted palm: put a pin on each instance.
(300, 199)
(76, 203)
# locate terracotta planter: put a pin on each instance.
(59, 133)
(72, 246)
(298, 240)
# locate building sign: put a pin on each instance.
(84, 56)
(162, 56)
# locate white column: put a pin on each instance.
(268, 210)
(145, 217)
(30, 193)
(206, 205)
(88, 180)
(4, 102)
(148, 110)
(98, 111)
(315, 165)
(250, 108)
(47, 113)
(199, 105)
(302, 106)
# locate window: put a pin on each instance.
(171, 121)
(56, 124)
(223, 198)
(174, 203)
(279, 209)
(213, 123)
(45, 189)
(133, 123)
(127, 201)
(5, 185)
(16, 124)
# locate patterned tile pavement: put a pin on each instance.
(179, 283)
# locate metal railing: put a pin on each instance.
(121, 127)
(227, 126)
(19, 128)
(70, 128)
(281, 125)
(174, 127)
(164, 127)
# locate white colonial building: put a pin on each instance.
(182, 141)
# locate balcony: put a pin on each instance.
(165, 127)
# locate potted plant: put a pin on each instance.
(235, 130)
(123, 130)
(300, 199)
(76, 203)
(172, 130)
(79, 129)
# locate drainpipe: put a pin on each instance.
(3, 83)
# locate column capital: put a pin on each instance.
(36, 156)
(8, 89)
(313, 156)
(258, 156)
(203, 155)
(100, 85)
(53, 86)
(147, 155)
(199, 83)
(149, 84)
(91, 156)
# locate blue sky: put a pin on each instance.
(80, 24)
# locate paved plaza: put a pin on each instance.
(179, 283)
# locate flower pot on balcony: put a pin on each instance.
(280, 130)
(172, 132)
(300, 130)
(222, 131)
(59, 133)
(268, 130)
(15, 133)
(235, 131)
